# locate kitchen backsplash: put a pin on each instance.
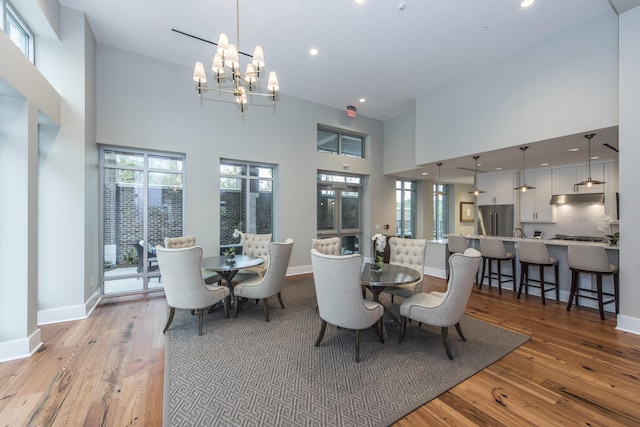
(571, 219)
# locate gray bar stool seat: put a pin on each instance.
(535, 253)
(592, 260)
(492, 249)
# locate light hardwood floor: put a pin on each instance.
(108, 370)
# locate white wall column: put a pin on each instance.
(19, 334)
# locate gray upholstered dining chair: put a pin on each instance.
(327, 246)
(408, 253)
(187, 242)
(445, 309)
(263, 287)
(340, 301)
(184, 287)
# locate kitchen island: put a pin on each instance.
(558, 250)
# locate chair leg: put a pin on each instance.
(445, 341)
(200, 316)
(380, 330)
(323, 328)
(280, 300)
(403, 327)
(500, 277)
(544, 300)
(357, 345)
(459, 329)
(265, 303)
(599, 290)
(484, 263)
(226, 306)
(524, 267)
(574, 285)
(236, 303)
(513, 273)
(170, 319)
(557, 283)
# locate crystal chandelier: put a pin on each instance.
(228, 74)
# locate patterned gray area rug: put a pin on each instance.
(247, 372)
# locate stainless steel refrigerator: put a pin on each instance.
(495, 220)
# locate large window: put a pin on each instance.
(339, 209)
(142, 203)
(440, 211)
(336, 142)
(246, 199)
(18, 31)
(405, 208)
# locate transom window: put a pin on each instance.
(337, 142)
(18, 31)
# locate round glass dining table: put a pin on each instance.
(390, 275)
(228, 270)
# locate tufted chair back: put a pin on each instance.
(329, 246)
(408, 253)
(179, 242)
(256, 245)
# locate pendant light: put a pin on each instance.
(589, 182)
(438, 192)
(524, 187)
(476, 191)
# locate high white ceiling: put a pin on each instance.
(378, 50)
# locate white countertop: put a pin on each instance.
(553, 242)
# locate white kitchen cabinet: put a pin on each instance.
(564, 180)
(534, 204)
(498, 189)
(611, 188)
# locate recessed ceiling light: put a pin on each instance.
(544, 164)
(526, 3)
(595, 157)
(359, 1)
(363, 99)
(574, 149)
(425, 173)
(498, 169)
(313, 51)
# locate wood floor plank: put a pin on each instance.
(109, 369)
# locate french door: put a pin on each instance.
(142, 203)
(339, 209)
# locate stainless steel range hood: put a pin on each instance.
(577, 199)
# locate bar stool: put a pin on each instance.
(535, 253)
(456, 244)
(592, 260)
(492, 249)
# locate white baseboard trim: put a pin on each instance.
(66, 314)
(628, 324)
(21, 348)
(301, 269)
(436, 272)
